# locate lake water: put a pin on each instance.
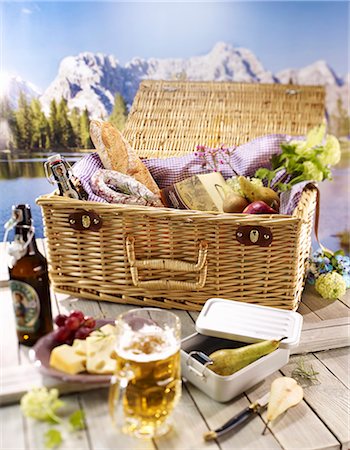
(22, 180)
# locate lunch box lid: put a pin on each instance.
(247, 322)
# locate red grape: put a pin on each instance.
(89, 322)
(60, 319)
(78, 314)
(61, 335)
(72, 323)
(82, 333)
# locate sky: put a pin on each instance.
(36, 36)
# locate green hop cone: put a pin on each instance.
(331, 285)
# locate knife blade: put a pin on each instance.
(240, 418)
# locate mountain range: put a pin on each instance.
(91, 80)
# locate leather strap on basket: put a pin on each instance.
(317, 219)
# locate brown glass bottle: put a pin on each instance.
(29, 283)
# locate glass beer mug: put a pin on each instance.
(147, 382)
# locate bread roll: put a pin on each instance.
(117, 154)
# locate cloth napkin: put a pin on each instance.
(242, 160)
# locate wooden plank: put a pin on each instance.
(299, 427)
(188, 428)
(346, 298)
(325, 309)
(216, 414)
(329, 399)
(338, 362)
(67, 304)
(101, 431)
(308, 315)
(12, 436)
(71, 440)
(328, 334)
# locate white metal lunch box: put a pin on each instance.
(230, 324)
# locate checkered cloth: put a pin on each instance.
(243, 160)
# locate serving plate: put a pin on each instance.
(40, 356)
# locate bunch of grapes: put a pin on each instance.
(74, 326)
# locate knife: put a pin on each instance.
(239, 418)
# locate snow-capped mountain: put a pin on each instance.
(92, 80)
(11, 86)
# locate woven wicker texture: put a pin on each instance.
(170, 118)
(178, 259)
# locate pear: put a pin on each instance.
(234, 203)
(228, 361)
(255, 193)
(285, 392)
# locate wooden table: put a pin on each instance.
(321, 421)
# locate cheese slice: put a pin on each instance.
(99, 354)
(79, 346)
(65, 358)
(106, 329)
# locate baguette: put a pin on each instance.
(117, 154)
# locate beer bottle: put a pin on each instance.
(29, 282)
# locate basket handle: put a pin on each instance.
(173, 265)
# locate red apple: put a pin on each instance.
(259, 207)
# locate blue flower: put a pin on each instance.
(347, 280)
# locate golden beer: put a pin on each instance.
(148, 357)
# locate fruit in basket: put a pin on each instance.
(285, 392)
(254, 193)
(228, 361)
(234, 203)
(259, 207)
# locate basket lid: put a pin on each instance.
(170, 118)
(246, 322)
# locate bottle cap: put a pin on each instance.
(22, 214)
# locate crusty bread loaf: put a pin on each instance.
(117, 154)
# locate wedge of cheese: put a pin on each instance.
(99, 354)
(79, 346)
(65, 358)
(106, 329)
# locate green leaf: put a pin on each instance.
(261, 173)
(77, 420)
(52, 438)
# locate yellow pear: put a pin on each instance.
(254, 193)
(230, 360)
(285, 392)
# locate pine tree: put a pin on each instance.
(67, 135)
(7, 116)
(55, 126)
(74, 118)
(85, 130)
(23, 124)
(119, 113)
(40, 125)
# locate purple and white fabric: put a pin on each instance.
(243, 160)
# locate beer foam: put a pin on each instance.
(151, 343)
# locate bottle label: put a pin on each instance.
(26, 304)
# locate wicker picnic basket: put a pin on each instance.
(179, 258)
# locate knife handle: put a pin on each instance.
(237, 420)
